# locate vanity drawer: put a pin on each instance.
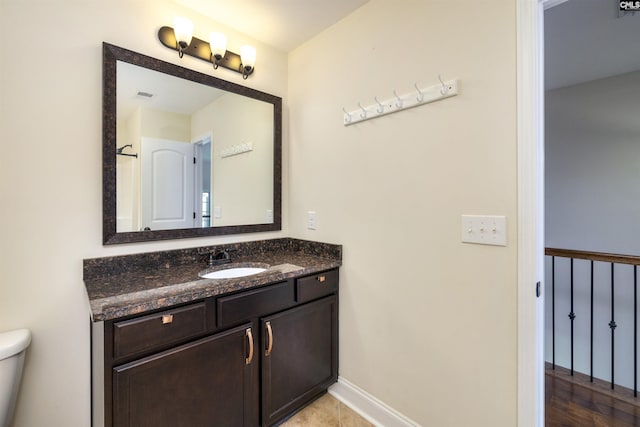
(158, 330)
(234, 309)
(316, 286)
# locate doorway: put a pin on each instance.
(592, 87)
(530, 58)
(203, 181)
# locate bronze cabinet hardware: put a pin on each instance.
(249, 335)
(269, 338)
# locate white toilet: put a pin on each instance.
(12, 348)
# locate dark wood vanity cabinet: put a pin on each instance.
(299, 357)
(207, 382)
(245, 359)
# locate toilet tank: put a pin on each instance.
(12, 349)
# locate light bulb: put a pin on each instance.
(183, 30)
(248, 58)
(218, 44)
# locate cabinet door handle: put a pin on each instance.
(167, 318)
(269, 338)
(321, 279)
(250, 338)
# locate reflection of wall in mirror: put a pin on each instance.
(242, 184)
(128, 175)
(165, 125)
(126, 172)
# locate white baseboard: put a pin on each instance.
(367, 406)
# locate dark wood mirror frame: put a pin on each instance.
(112, 54)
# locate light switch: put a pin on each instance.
(484, 230)
(311, 220)
(217, 212)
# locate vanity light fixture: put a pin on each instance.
(215, 52)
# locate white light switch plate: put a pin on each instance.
(484, 230)
(311, 220)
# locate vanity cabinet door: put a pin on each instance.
(299, 357)
(204, 383)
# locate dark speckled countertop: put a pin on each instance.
(131, 284)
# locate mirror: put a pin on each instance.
(185, 154)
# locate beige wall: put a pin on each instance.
(243, 183)
(427, 324)
(51, 176)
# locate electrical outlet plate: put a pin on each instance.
(484, 230)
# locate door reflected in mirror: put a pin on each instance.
(193, 155)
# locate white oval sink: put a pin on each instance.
(231, 273)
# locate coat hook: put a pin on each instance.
(380, 108)
(420, 96)
(398, 99)
(444, 89)
(364, 112)
(348, 118)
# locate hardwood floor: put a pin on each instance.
(570, 402)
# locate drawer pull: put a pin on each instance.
(167, 318)
(321, 279)
(249, 335)
(269, 338)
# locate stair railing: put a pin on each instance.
(592, 257)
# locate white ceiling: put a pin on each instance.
(586, 40)
(169, 93)
(284, 24)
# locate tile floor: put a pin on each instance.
(326, 411)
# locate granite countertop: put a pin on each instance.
(133, 284)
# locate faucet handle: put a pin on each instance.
(218, 257)
(221, 254)
(227, 253)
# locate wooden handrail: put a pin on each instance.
(594, 256)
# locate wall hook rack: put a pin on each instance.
(421, 96)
